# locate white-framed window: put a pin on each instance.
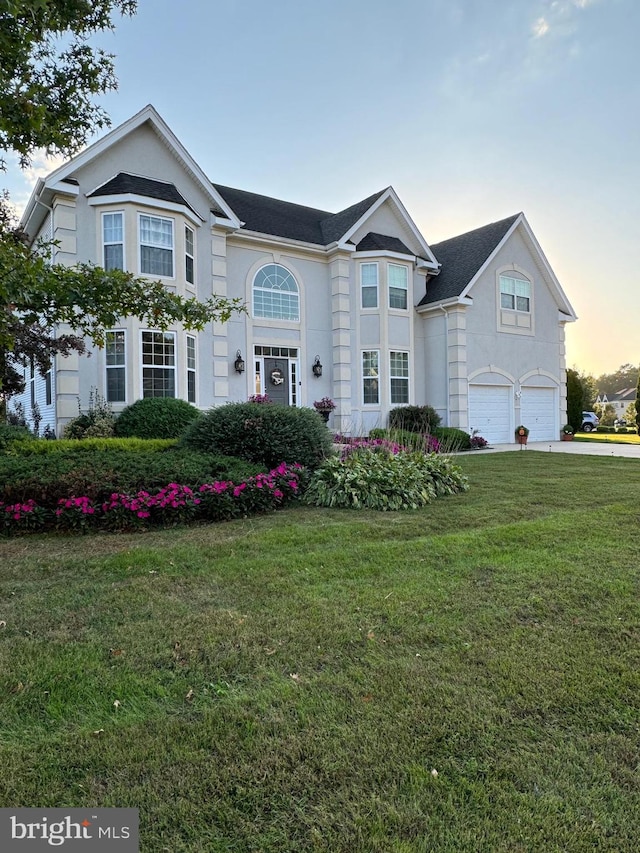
(276, 295)
(189, 265)
(398, 282)
(158, 364)
(113, 241)
(191, 368)
(115, 359)
(156, 245)
(371, 377)
(369, 285)
(399, 377)
(515, 294)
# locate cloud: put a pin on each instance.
(540, 28)
(42, 165)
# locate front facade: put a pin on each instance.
(353, 305)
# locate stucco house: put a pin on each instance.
(354, 305)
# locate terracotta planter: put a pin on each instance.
(566, 436)
(522, 439)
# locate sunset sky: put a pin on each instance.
(472, 109)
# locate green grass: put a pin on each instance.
(611, 437)
(288, 683)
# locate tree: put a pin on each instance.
(50, 75)
(625, 376)
(580, 397)
(37, 296)
(575, 399)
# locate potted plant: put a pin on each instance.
(324, 407)
(567, 433)
(522, 433)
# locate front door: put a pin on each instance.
(276, 373)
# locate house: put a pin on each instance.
(354, 305)
(619, 401)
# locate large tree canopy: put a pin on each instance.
(37, 296)
(49, 77)
(50, 74)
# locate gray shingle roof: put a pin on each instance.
(461, 258)
(295, 221)
(124, 183)
(372, 242)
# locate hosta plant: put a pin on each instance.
(376, 478)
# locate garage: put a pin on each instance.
(539, 412)
(490, 412)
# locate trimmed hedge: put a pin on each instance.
(9, 434)
(40, 447)
(414, 418)
(155, 417)
(263, 433)
(452, 439)
(172, 504)
(97, 474)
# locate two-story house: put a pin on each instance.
(354, 305)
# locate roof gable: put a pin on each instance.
(148, 115)
(462, 257)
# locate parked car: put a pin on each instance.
(590, 421)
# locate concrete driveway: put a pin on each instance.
(585, 448)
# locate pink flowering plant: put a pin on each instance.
(23, 516)
(260, 398)
(326, 404)
(171, 505)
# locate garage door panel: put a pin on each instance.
(539, 412)
(490, 412)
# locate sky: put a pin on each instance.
(472, 110)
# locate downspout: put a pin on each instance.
(446, 360)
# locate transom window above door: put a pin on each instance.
(276, 295)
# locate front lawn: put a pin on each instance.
(611, 437)
(465, 677)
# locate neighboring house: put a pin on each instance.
(620, 401)
(353, 305)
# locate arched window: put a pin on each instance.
(275, 294)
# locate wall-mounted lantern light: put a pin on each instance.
(317, 367)
(239, 362)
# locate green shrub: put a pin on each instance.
(40, 447)
(414, 418)
(408, 440)
(98, 473)
(155, 417)
(366, 478)
(267, 434)
(97, 422)
(452, 439)
(10, 434)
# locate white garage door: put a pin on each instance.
(489, 412)
(539, 412)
